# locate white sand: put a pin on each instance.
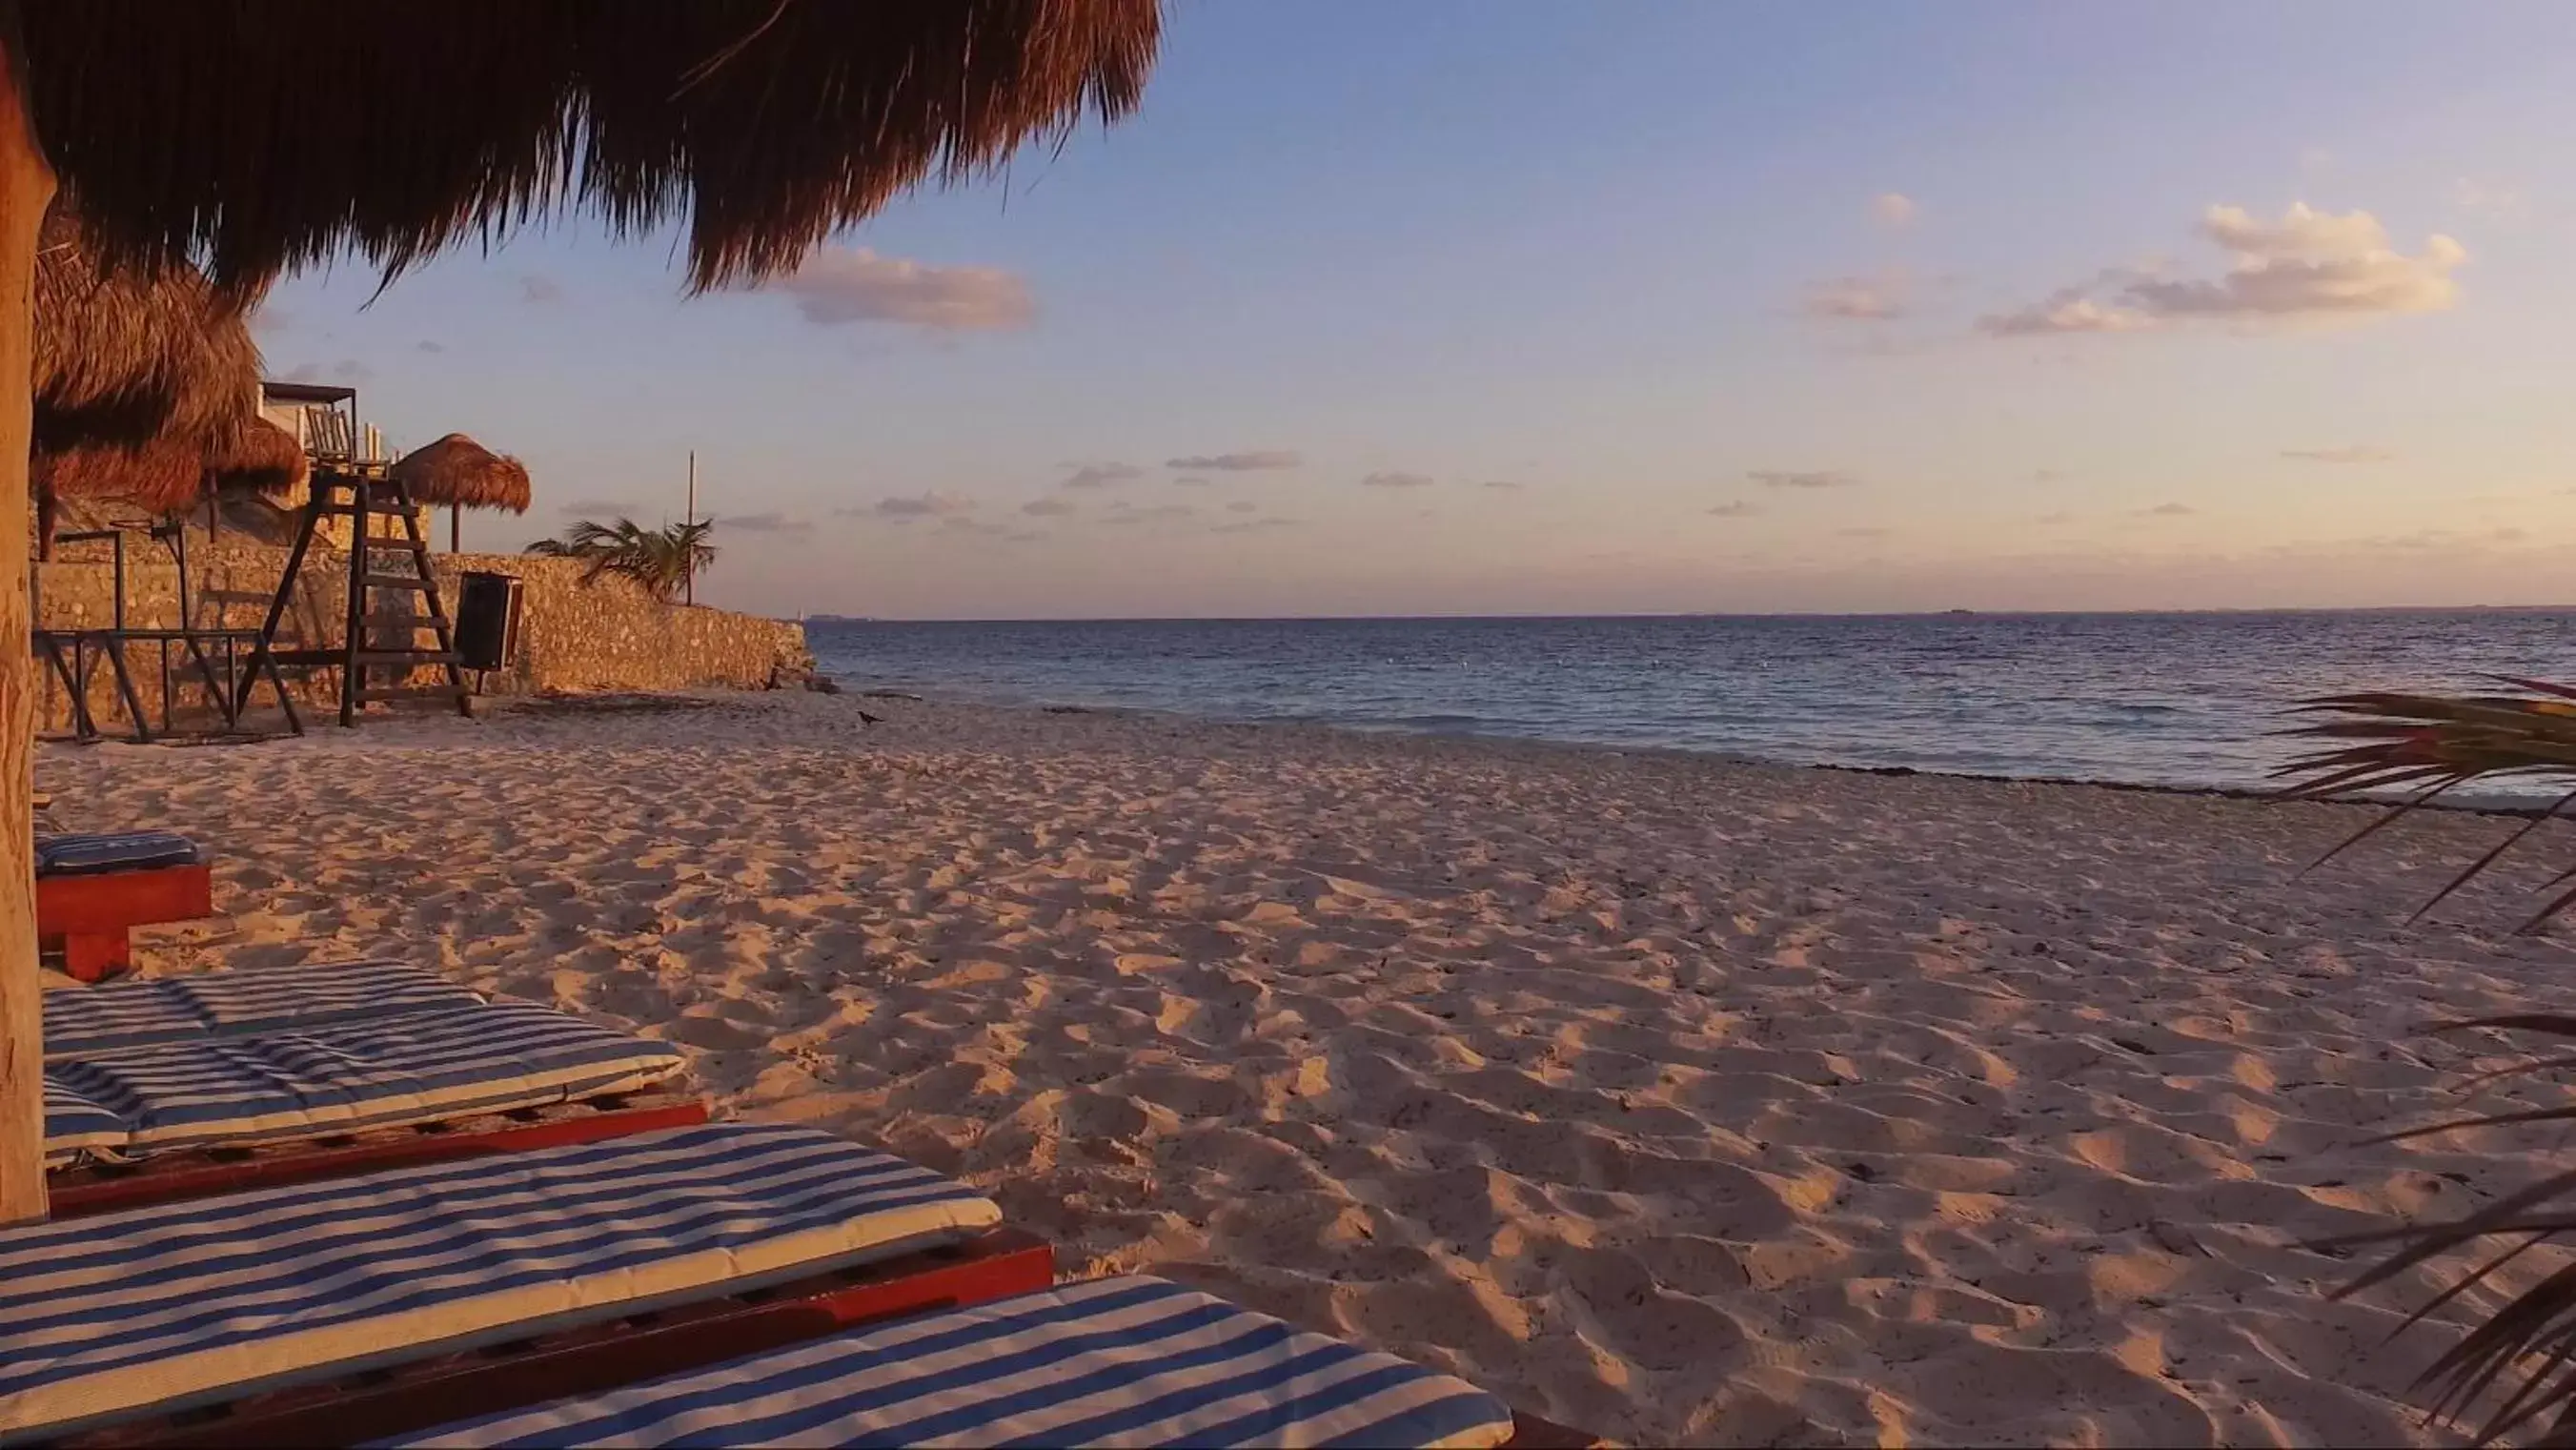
(1671, 1098)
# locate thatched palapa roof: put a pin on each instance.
(168, 474)
(128, 356)
(256, 454)
(160, 477)
(146, 380)
(458, 472)
(262, 134)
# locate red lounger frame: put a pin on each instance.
(80, 1192)
(87, 917)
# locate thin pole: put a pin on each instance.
(689, 575)
(456, 528)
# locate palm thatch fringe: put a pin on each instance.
(126, 356)
(765, 125)
(169, 474)
(160, 477)
(457, 472)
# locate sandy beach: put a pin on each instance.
(1673, 1098)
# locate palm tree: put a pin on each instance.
(259, 136)
(662, 560)
(679, 554)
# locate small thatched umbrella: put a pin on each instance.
(254, 453)
(460, 474)
(258, 135)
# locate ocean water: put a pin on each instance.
(2152, 699)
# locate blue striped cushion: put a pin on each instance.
(420, 1068)
(238, 1002)
(189, 1302)
(1121, 1361)
(98, 855)
(74, 1125)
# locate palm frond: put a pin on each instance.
(2520, 1360)
(2434, 744)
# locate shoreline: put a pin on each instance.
(1685, 1099)
(2471, 805)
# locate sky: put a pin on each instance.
(1526, 306)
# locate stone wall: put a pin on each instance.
(607, 634)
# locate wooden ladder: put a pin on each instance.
(396, 564)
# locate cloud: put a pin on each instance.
(425, 345)
(842, 285)
(1397, 480)
(769, 523)
(538, 287)
(2168, 511)
(347, 370)
(2047, 475)
(959, 524)
(1893, 209)
(1504, 484)
(1047, 506)
(2309, 265)
(2351, 453)
(1736, 509)
(1254, 526)
(1812, 478)
(1251, 462)
(1101, 475)
(1864, 531)
(1243, 506)
(2068, 310)
(1191, 481)
(271, 321)
(597, 508)
(933, 504)
(1159, 514)
(2450, 539)
(2055, 518)
(1858, 299)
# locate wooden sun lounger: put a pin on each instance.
(92, 1189)
(416, 1398)
(88, 918)
(363, 1274)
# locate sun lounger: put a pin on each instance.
(92, 890)
(151, 1311)
(239, 1002)
(349, 1076)
(1119, 1361)
(372, 1065)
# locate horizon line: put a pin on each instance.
(828, 617)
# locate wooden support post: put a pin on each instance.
(26, 188)
(356, 637)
